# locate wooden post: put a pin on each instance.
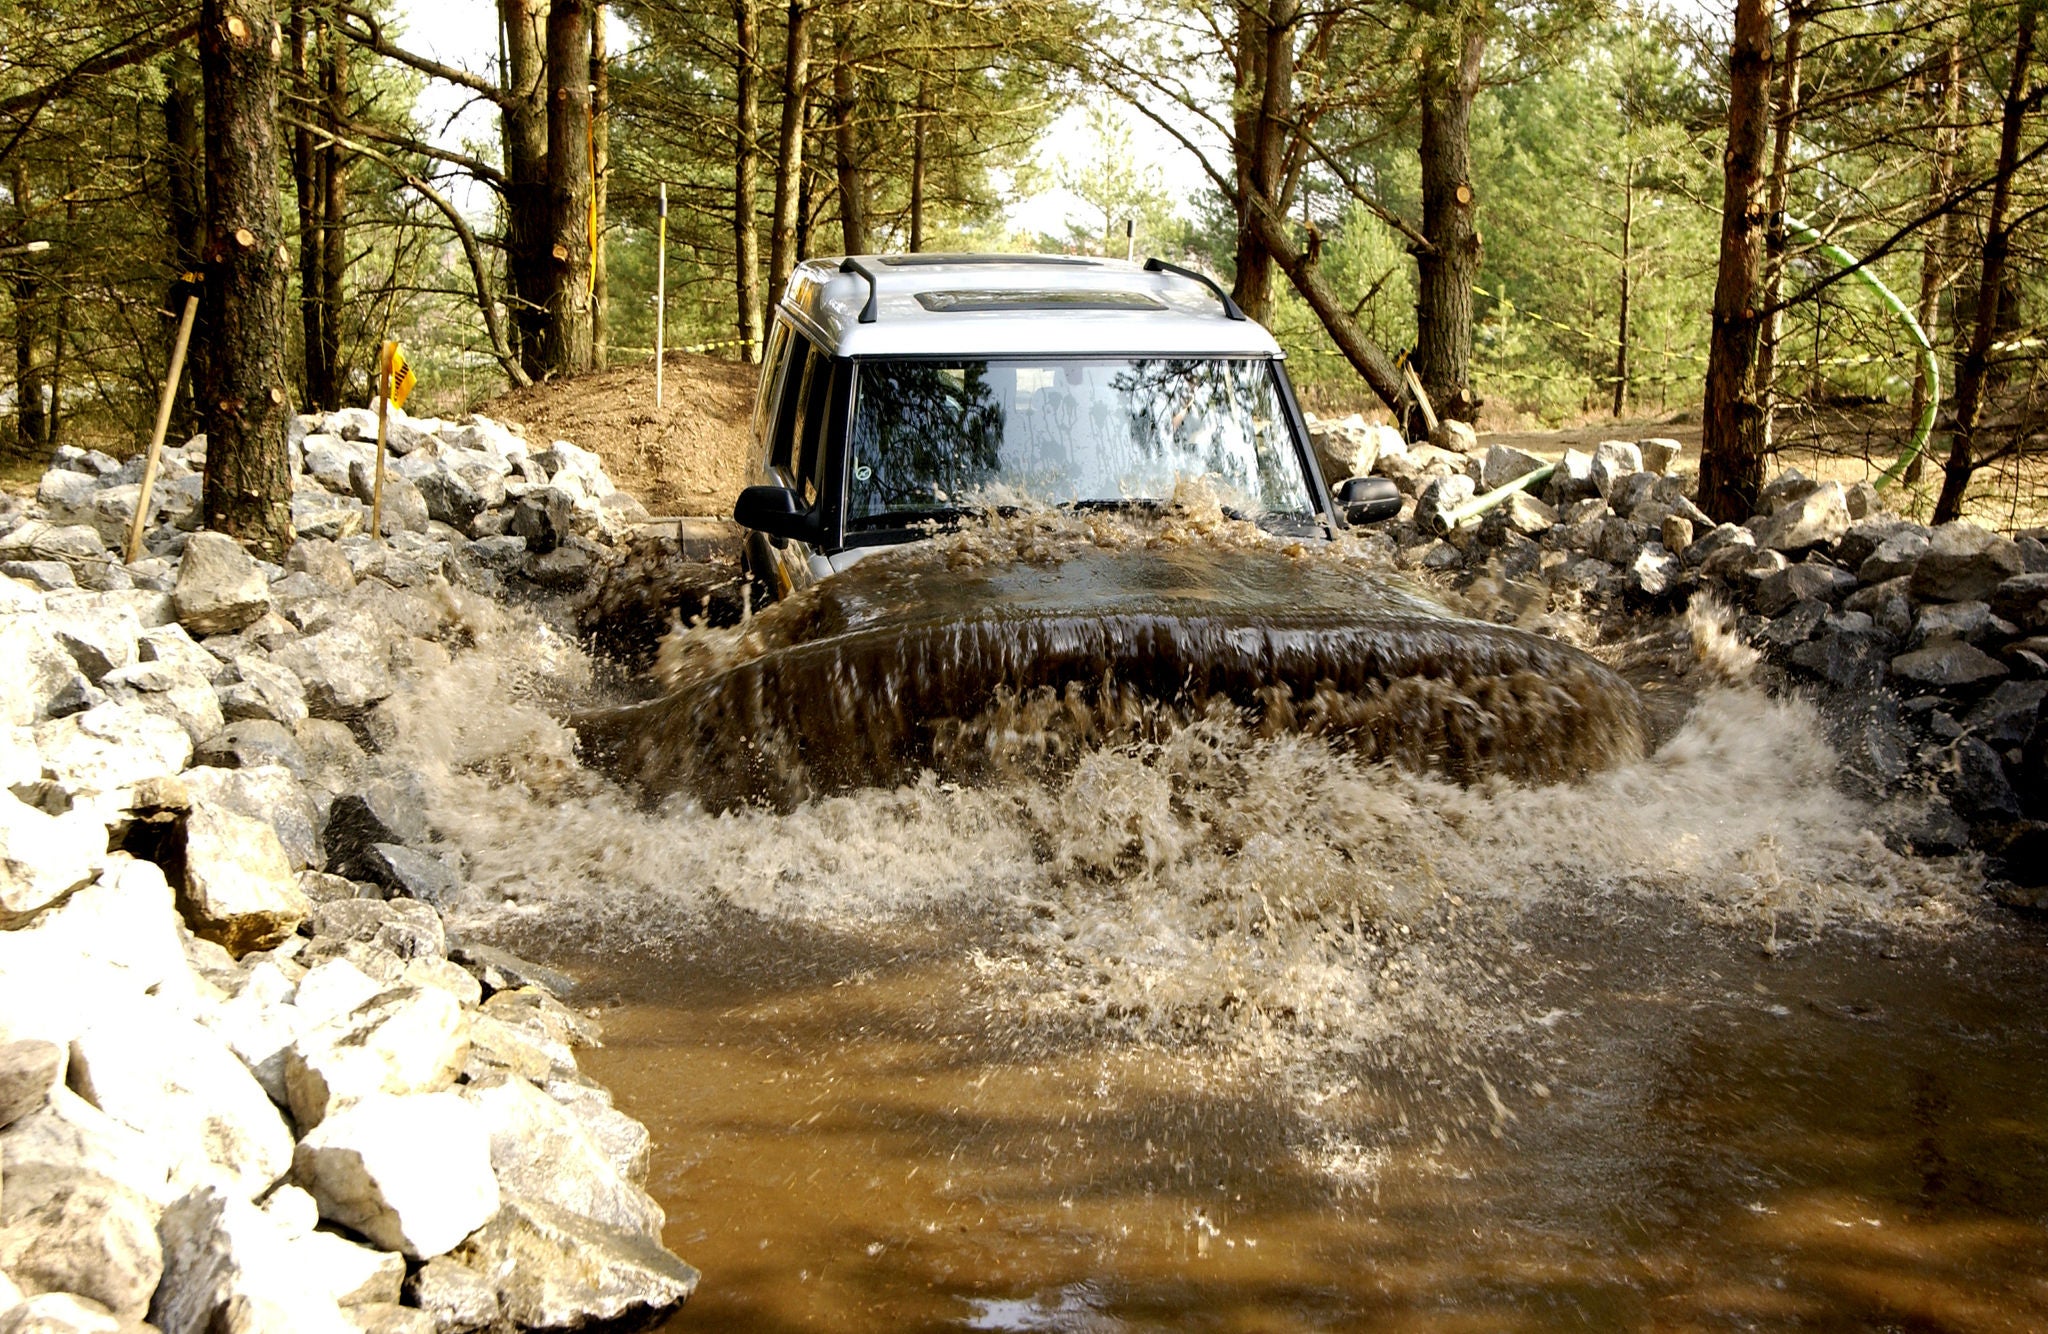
(1422, 402)
(384, 358)
(163, 424)
(660, 289)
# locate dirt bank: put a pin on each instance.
(688, 456)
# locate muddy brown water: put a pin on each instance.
(1707, 1136)
(1227, 1028)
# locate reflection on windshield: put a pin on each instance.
(935, 435)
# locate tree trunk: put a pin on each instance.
(1445, 271)
(1939, 249)
(1628, 222)
(1735, 427)
(1991, 282)
(1775, 244)
(31, 421)
(600, 170)
(523, 123)
(334, 217)
(307, 187)
(1264, 99)
(746, 171)
(565, 348)
(846, 164)
(917, 165)
(184, 221)
(247, 489)
(783, 251)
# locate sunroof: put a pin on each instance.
(1109, 299)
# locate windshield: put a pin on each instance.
(937, 435)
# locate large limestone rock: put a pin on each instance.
(407, 1040)
(101, 631)
(65, 1230)
(539, 1151)
(168, 1077)
(40, 670)
(63, 1313)
(220, 587)
(626, 1142)
(413, 1174)
(31, 1069)
(92, 953)
(343, 672)
(1965, 563)
(43, 857)
(409, 930)
(1502, 464)
(557, 1270)
(269, 793)
(71, 1134)
(106, 751)
(240, 891)
(456, 1297)
(265, 690)
(229, 1267)
(352, 1273)
(178, 692)
(1817, 516)
(259, 1026)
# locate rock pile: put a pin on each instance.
(246, 1080)
(1939, 635)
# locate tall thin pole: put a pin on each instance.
(660, 290)
(163, 424)
(384, 359)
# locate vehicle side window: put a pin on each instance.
(771, 371)
(789, 408)
(817, 412)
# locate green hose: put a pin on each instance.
(1923, 429)
(1478, 505)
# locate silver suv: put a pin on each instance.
(902, 389)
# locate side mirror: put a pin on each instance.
(776, 511)
(1369, 499)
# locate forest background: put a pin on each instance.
(1523, 200)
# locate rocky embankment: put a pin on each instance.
(247, 1081)
(1929, 645)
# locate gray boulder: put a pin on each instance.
(44, 857)
(557, 1270)
(1659, 453)
(409, 930)
(458, 1299)
(2023, 600)
(1502, 464)
(1806, 520)
(220, 587)
(1964, 563)
(162, 1074)
(63, 1230)
(1776, 592)
(63, 1313)
(539, 1152)
(178, 692)
(409, 872)
(1947, 663)
(229, 1269)
(30, 1070)
(101, 631)
(240, 891)
(249, 743)
(271, 794)
(40, 670)
(263, 689)
(405, 1041)
(412, 1174)
(107, 750)
(342, 670)
(1612, 461)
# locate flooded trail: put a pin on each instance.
(1217, 1026)
(1698, 1135)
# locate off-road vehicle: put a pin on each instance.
(901, 389)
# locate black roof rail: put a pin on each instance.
(867, 312)
(1154, 264)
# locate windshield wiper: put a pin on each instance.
(905, 518)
